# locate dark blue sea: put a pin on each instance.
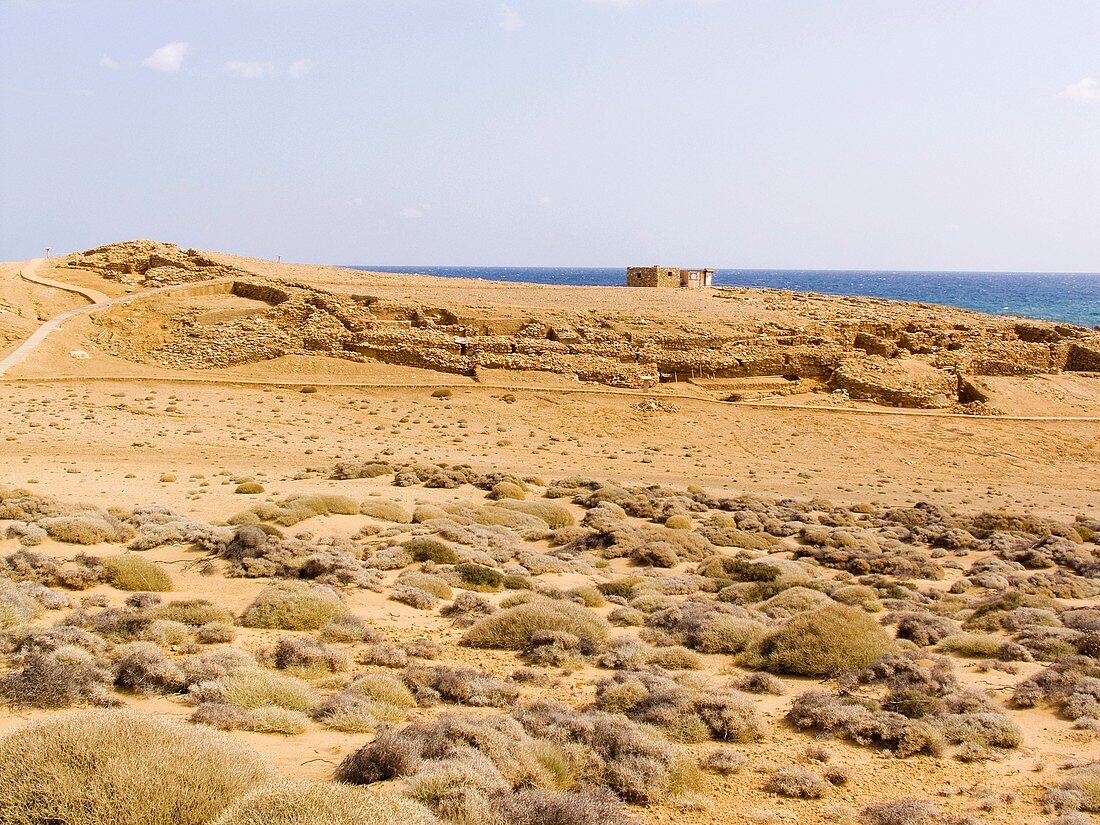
(1054, 296)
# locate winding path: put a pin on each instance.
(99, 300)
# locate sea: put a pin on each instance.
(1072, 298)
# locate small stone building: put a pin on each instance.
(669, 276)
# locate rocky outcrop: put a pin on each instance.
(149, 264)
(896, 382)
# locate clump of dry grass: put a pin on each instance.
(130, 572)
(323, 803)
(822, 642)
(251, 688)
(293, 605)
(554, 514)
(385, 511)
(94, 767)
(511, 629)
(194, 612)
(798, 782)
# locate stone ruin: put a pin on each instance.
(895, 354)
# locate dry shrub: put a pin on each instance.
(983, 646)
(414, 597)
(849, 718)
(15, 606)
(130, 572)
(255, 688)
(194, 612)
(823, 642)
(554, 514)
(385, 511)
(143, 668)
(304, 653)
(533, 806)
(511, 629)
(293, 605)
(507, 490)
(425, 548)
(349, 628)
(462, 685)
(361, 469)
(121, 767)
(275, 720)
(724, 762)
(384, 688)
(63, 677)
(797, 782)
(323, 803)
(213, 633)
(1078, 791)
(908, 811)
(436, 585)
(87, 528)
(924, 628)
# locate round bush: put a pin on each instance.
(123, 768)
(293, 605)
(511, 629)
(249, 488)
(824, 641)
(130, 572)
(324, 803)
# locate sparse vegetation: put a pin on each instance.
(121, 767)
(291, 605)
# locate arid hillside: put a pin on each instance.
(736, 342)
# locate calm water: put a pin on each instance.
(1067, 297)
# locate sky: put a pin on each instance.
(875, 134)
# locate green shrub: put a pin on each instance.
(424, 548)
(118, 766)
(249, 488)
(385, 511)
(511, 628)
(324, 803)
(293, 605)
(253, 687)
(479, 577)
(822, 642)
(130, 572)
(679, 522)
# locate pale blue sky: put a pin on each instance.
(934, 134)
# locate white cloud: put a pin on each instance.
(357, 201)
(414, 213)
(1087, 89)
(168, 58)
(108, 62)
(510, 19)
(247, 68)
(546, 200)
(299, 68)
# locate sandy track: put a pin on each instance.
(99, 301)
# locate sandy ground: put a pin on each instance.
(111, 432)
